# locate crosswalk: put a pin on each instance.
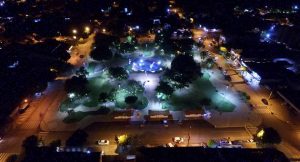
(5, 156)
(29, 125)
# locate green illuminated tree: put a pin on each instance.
(118, 73)
(164, 88)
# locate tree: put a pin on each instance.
(185, 65)
(205, 101)
(183, 71)
(127, 47)
(77, 85)
(30, 143)
(118, 73)
(103, 97)
(101, 53)
(210, 62)
(55, 143)
(130, 100)
(184, 45)
(164, 88)
(82, 72)
(211, 143)
(270, 135)
(78, 138)
(203, 54)
(135, 86)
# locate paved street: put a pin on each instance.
(150, 134)
(275, 115)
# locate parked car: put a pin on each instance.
(103, 142)
(178, 139)
(24, 106)
(169, 145)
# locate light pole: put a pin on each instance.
(189, 135)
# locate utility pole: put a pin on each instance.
(189, 135)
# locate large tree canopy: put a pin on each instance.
(164, 88)
(77, 85)
(131, 100)
(118, 73)
(78, 138)
(183, 70)
(101, 53)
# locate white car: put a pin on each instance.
(103, 142)
(169, 145)
(23, 107)
(177, 139)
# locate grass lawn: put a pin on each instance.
(77, 116)
(92, 67)
(95, 87)
(131, 89)
(201, 88)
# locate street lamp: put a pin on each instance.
(87, 29)
(189, 135)
(103, 30)
(74, 31)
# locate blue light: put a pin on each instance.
(2, 3)
(268, 35)
(37, 20)
(141, 60)
(272, 27)
(88, 151)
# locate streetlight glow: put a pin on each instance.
(74, 31)
(87, 29)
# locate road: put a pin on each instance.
(151, 134)
(28, 123)
(275, 115)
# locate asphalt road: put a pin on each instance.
(276, 115)
(150, 134)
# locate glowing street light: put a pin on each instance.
(130, 29)
(74, 37)
(87, 29)
(260, 133)
(103, 30)
(71, 95)
(192, 20)
(74, 31)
